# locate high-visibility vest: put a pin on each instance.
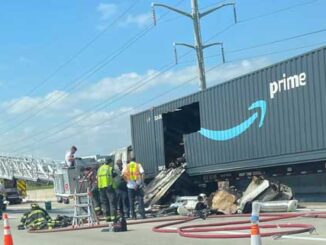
(104, 176)
(133, 172)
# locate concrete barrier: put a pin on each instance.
(41, 195)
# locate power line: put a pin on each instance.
(279, 10)
(79, 52)
(116, 116)
(265, 15)
(81, 79)
(89, 73)
(267, 43)
(279, 40)
(163, 94)
(212, 56)
(85, 75)
(164, 69)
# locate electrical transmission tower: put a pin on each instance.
(199, 47)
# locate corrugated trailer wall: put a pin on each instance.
(286, 124)
(143, 141)
(293, 129)
(148, 134)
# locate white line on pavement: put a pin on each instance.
(304, 238)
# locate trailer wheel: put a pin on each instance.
(66, 201)
(59, 199)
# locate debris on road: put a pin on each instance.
(279, 206)
(224, 202)
(161, 184)
(263, 190)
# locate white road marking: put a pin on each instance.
(304, 238)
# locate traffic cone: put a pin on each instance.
(255, 235)
(7, 238)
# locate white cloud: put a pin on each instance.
(229, 71)
(97, 119)
(115, 132)
(109, 87)
(106, 10)
(140, 20)
(52, 100)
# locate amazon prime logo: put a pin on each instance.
(287, 83)
(223, 135)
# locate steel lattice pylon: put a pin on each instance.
(26, 168)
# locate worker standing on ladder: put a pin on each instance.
(106, 187)
(134, 175)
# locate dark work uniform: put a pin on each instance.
(122, 197)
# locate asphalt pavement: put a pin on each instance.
(143, 234)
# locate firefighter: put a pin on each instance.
(91, 175)
(134, 175)
(106, 187)
(35, 219)
(122, 192)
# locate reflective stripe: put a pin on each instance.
(22, 188)
(104, 176)
(6, 232)
(133, 171)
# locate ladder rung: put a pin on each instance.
(82, 216)
(81, 194)
(81, 205)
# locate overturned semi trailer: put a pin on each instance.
(271, 122)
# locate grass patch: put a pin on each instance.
(32, 187)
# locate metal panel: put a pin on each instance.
(143, 141)
(293, 129)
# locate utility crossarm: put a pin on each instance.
(199, 47)
(218, 7)
(26, 168)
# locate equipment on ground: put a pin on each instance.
(38, 219)
(120, 225)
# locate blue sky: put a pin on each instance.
(38, 36)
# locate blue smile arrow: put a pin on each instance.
(222, 135)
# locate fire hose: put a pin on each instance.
(192, 231)
(233, 227)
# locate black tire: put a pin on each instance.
(59, 199)
(15, 201)
(66, 201)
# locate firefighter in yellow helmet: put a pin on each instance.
(134, 175)
(106, 187)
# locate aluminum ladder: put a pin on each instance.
(83, 210)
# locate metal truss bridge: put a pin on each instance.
(26, 168)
